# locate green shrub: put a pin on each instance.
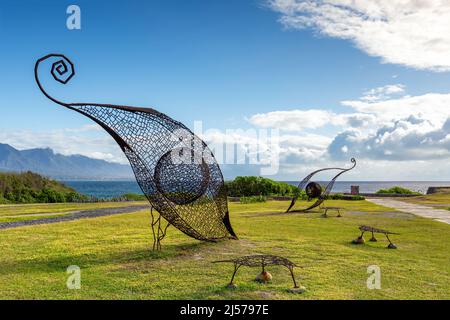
(256, 186)
(340, 196)
(396, 190)
(253, 199)
(3, 200)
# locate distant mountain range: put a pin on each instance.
(58, 166)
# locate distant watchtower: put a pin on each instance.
(354, 190)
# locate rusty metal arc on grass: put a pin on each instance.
(305, 184)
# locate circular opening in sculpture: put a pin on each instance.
(182, 175)
(313, 190)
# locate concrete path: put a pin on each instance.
(70, 216)
(416, 209)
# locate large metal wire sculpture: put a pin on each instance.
(174, 168)
(314, 189)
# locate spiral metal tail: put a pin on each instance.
(62, 71)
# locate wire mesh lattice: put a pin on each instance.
(174, 168)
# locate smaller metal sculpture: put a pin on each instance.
(315, 191)
(360, 239)
(260, 261)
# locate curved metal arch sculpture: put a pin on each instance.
(174, 168)
(313, 186)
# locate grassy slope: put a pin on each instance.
(114, 256)
(34, 181)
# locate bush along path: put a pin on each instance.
(74, 216)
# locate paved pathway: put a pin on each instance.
(416, 209)
(69, 216)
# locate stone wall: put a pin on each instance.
(432, 190)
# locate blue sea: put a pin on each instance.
(109, 189)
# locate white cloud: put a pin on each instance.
(413, 33)
(434, 107)
(302, 148)
(390, 126)
(289, 148)
(406, 128)
(383, 93)
(404, 140)
(295, 120)
(299, 120)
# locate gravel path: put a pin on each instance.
(74, 216)
(416, 209)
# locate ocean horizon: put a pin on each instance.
(115, 188)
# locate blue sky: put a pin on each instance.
(237, 65)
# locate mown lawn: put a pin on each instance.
(116, 261)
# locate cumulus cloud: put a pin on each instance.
(407, 139)
(434, 107)
(388, 126)
(260, 146)
(383, 93)
(299, 120)
(407, 128)
(412, 33)
(295, 120)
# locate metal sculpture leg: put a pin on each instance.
(373, 239)
(390, 245)
(291, 270)
(360, 239)
(339, 213)
(236, 268)
(325, 213)
(158, 232)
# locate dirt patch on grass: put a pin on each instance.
(202, 252)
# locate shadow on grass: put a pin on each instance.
(58, 262)
(280, 213)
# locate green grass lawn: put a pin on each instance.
(116, 261)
